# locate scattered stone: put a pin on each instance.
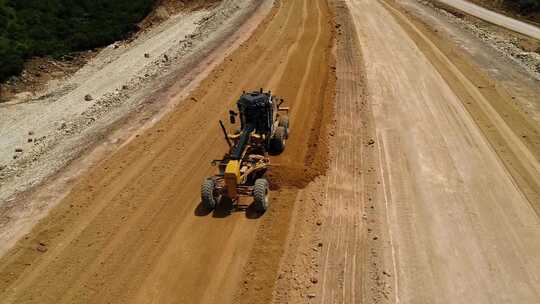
(375, 238)
(88, 97)
(23, 95)
(57, 74)
(161, 13)
(125, 87)
(314, 280)
(146, 55)
(319, 223)
(41, 248)
(30, 140)
(319, 245)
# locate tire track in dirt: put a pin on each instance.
(300, 163)
(130, 231)
(462, 229)
(329, 256)
(514, 136)
(351, 263)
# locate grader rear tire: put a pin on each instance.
(208, 199)
(277, 142)
(284, 122)
(260, 195)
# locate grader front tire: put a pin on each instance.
(208, 198)
(260, 194)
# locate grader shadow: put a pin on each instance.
(227, 207)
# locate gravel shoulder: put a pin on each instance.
(495, 18)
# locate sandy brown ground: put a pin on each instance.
(131, 230)
(440, 206)
(405, 180)
(58, 129)
(333, 254)
(461, 228)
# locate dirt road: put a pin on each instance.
(131, 231)
(404, 181)
(495, 18)
(459, 228)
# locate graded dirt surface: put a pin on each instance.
(59, 127)
(460, 228)
(409, 177)
(131, 230)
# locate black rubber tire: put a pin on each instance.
(277, 142)
(260, 195)
(284, 122)
(208, 199)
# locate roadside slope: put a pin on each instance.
(495, 18)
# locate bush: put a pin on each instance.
(525, 6)
(57, 27)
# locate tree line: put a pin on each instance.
(57, 27)
(526, 6)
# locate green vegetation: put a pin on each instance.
(524, 7)
(56, 27)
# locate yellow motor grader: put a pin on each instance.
(264, 129)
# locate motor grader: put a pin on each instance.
(264, 129)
